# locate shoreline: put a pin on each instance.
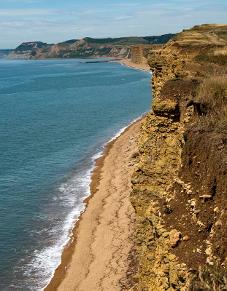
(96, 176)
(124, 62)
(128, 63)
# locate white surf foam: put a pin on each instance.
(45, 262)
(121, 131)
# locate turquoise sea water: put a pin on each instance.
(55, 118)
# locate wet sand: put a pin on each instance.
(97, 257)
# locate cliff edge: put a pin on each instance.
(180, 182)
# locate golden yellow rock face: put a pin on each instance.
(174, 236)
(160, 151)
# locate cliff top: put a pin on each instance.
(206, 35)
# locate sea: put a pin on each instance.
(56, 117)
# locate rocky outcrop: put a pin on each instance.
(179, 186)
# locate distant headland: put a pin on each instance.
(84, 48)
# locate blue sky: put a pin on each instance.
(57, 20)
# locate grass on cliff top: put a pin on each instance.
(219, 59)
(212, 95)
(203, 36)
(212, 92)
(209, 278)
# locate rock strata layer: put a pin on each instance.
(180, 182)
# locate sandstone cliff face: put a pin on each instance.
(180, 184)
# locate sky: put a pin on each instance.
(59, 20)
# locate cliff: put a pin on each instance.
(86, 47)
(180, 182)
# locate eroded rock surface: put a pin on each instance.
(180, 182)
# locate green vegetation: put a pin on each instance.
(70, 41)
(130, 40)
(28, 46)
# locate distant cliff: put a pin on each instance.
(180, 181)
(86, 47)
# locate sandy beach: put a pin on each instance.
(130, 64)
(97, 259)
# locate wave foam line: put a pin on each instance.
(74, 216)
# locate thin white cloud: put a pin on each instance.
(111, 19)
(123, 17)
(25, 12)
(125, 5)
(22, 1)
